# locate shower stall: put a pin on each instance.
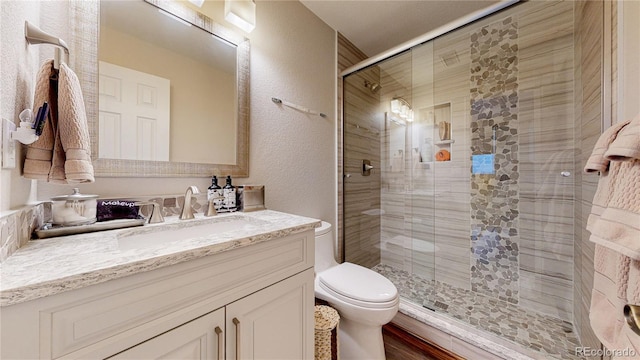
(459, 161)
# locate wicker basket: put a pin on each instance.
(327, 319)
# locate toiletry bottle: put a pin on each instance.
(215, 193)
(229, 192)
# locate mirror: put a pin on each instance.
(188, 114)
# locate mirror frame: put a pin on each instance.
(85, 32)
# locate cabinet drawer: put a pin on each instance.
(168, 296)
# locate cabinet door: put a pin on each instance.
(273, 323)
(201, 338)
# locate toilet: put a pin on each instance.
(364, 299)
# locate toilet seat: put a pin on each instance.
(359, 286)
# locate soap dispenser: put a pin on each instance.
(229, 192)
(215, 194)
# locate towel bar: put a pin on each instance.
(35, 35)
(298, 107)
(632, 315)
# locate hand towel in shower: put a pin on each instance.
(615, 228)
(62, 154)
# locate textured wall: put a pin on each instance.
(18, 67)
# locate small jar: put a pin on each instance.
(74, 209)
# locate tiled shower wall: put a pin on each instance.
(362, 193)
(588, 111)
(546, 122)
(430, 208)
(348, 55)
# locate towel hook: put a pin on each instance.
(35, 35)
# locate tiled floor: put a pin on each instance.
(553, 338)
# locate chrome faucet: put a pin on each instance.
(186, 212)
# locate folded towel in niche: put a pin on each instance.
(443, 155)
(116, 209)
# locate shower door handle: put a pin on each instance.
(366, 167)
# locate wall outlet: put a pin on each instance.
(8, 145)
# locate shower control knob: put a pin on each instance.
(565, 174)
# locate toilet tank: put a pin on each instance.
(325, 257)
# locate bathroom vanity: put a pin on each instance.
(242, 291)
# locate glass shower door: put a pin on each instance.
(388, 213)
(362, 142)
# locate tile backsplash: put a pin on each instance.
(16, 228)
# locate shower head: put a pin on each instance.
(374, 87)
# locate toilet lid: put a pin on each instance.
(359, 283)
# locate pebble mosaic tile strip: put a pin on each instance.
(494, 135)
(551, 337)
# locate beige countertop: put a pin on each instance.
(54, 265)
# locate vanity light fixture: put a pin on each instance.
(241, 13)
(197, 3)
(401, 107)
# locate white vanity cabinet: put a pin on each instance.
(199, 339)
(250, 302)
(271, 323)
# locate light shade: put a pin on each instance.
(241, 13)
(197, 3)
(396, 106)
(401, 107)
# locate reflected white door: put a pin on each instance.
(133, 114)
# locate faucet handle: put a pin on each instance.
(211, 209)
(156, 215)
(211, 206)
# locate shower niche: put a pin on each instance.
(433, 134)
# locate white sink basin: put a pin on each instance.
(161, 235)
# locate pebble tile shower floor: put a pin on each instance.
(551, 337)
